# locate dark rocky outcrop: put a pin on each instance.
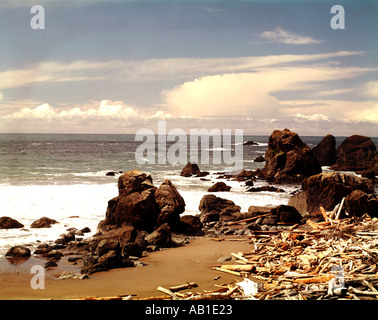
(134, 181)
(18, 251)
(358, 203)
(325, 152)
(43, 222)
(9, 223)
(327, 190)
(250, 143)
(287, 214)
(191, 169)
(288, 158)
(142, 205)
(161, 236)
(138, 209)
(355, 154)
(213, 208)
(190, 225)
(259, 159)
(265, 188)
(141, 215)
(170, 203)
(218, 187)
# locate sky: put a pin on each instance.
(121, 66)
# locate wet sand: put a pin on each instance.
(169, 267)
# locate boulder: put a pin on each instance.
(288, 158)
(142, 205)
(18, 251)
(325, 152)
(191, 169)
(170, 203)
(287, 214)
(265, 189)
(43, 222)
(259, 159)
(9, 223)
(134, 181)
(327, 190)
(219, 186)
(355, 154)
(161, 236)
(191, 225)
(213, 208)
(138, 209)
(114, 239)
(258, 210)
(250, 143)
(357, 203)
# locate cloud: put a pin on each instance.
(279, 35)
(53, 72)
(313, 117)
(370, 89)
(147, 70)
(252, 94)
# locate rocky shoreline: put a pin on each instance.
(144, 218)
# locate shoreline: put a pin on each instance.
(191, 263)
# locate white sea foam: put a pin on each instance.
(84, 205)
(76, 206)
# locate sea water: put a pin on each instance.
(63, 177)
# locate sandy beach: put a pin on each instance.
(168, 267)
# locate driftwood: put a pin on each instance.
(248, 219)
(332, 259)
(187, 285)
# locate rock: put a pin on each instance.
(287, 214)
(243, 175)
(50, 264)
(325, 151)
(142, 205)
(357, 203)
(85, 230)
(114, 239)
(191, 225)
(66, 238)
(288, 158)
(259, 159)
(53, 255)
(219, 186)
(327, 190)
(43, 222)
(161, 236)
(18, 251)
(111, 173)
(170, 203)
(213, 208)
(191, 169)
(354, 154)
(138, 209)
(265, 188)
(134, 181)
(258, 210)
(253, 226)
(9, 223)
(250, 143)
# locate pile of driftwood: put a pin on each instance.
(332, 259)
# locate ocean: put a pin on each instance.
(63, 177)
